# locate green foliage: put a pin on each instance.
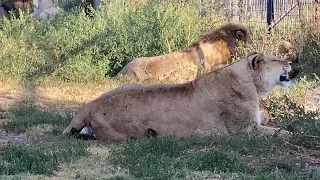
(310, 59)
(79, 48)
(303, 123)
(75, 47)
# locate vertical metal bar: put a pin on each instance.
(270, 15)
(300, 11)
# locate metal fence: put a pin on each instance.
(280, 15)
(272, 13)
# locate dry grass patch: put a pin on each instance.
(61, 96)
(10, 93)
(94, 166)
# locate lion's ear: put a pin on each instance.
(257, 60)
(240, 35)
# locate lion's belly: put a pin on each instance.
(183, 121)
(132, 122)
(167, 113)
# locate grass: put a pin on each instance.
(239, 156)
(26, 117)
(65, 60)
(76, 48)
(38, 160)
(44, 154)
(173, 158)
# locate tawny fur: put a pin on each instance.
(220, 102)
(287, 49)
(217, 49)
(11, 5)
(290, 52)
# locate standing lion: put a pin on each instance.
(212, 51)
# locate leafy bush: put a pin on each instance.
(75, 47)
(310, 59)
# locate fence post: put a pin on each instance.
(317, 11)
(240, 9)
(300, 14)
(270, 15)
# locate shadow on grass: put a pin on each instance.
(26, 117)
(39, 160)
(47, 152)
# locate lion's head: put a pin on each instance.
(269, 71)
(231, 33)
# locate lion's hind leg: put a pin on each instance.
(75, 126)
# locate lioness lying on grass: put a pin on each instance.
(223, 101)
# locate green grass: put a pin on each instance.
(287, 107)
(16, 159)
(304, 124)
(310, 62)
(246, 156)
(47, 152)
(238, 155)
(77, 48)
(26, 117)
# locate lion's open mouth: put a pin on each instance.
(284, 77)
